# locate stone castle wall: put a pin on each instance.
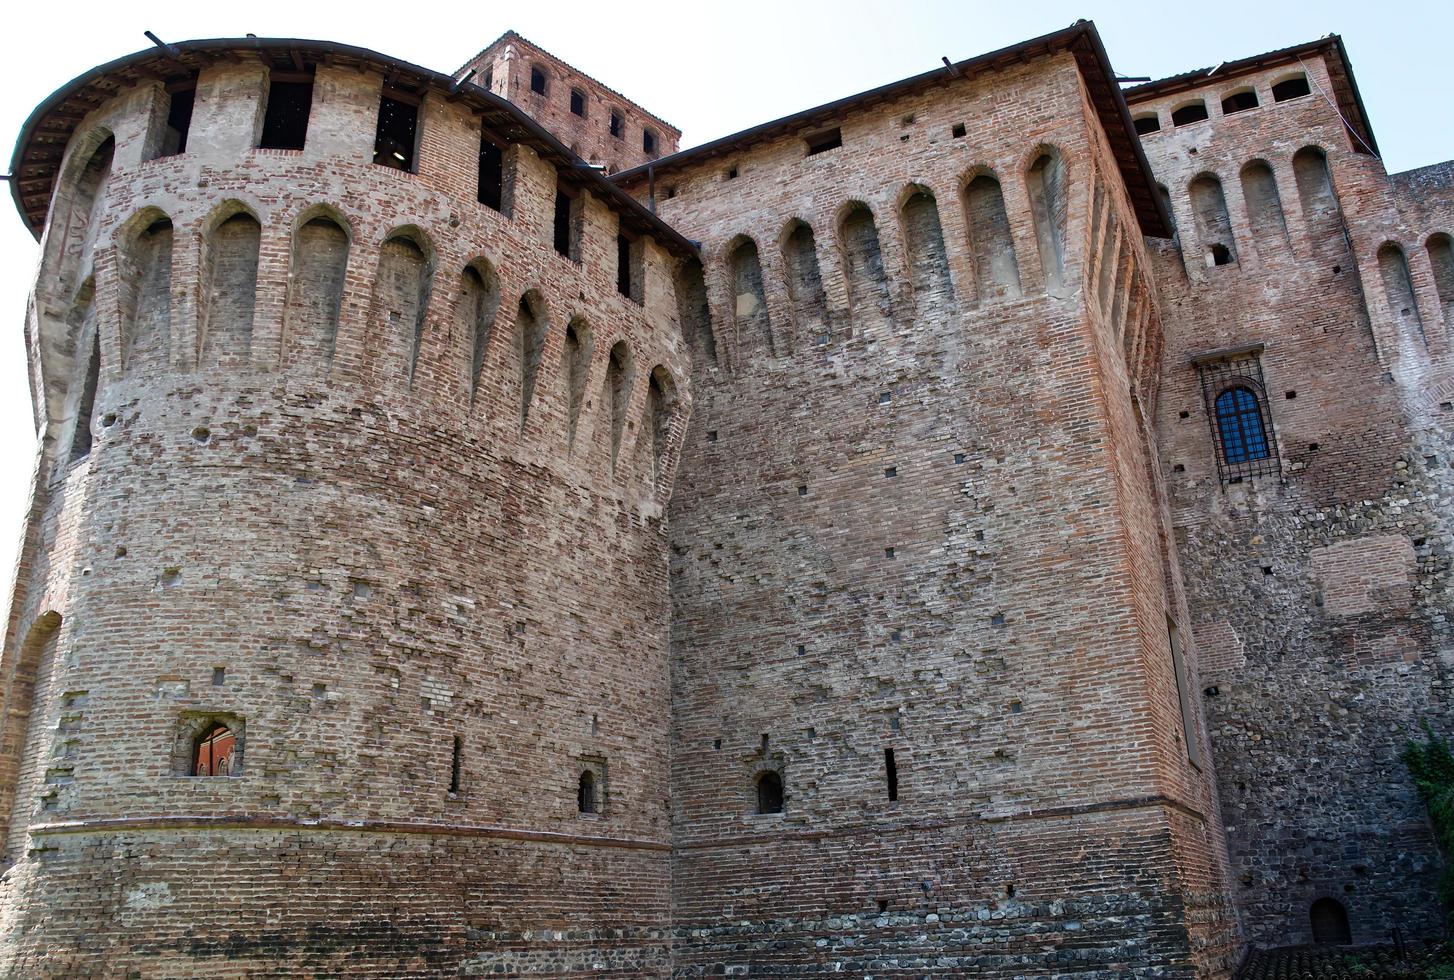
(1319, 592)
(372, 475)
(916, 455)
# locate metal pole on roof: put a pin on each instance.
(169, 49)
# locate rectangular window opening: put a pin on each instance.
(454, 765)
(617, 124)
(891, 774)
(179, 121)
(623, 265)
(578, 102)
(492, 173)
(648, 142)
(395, 136)
(562, 223)
(537, 81)
(829, 139)
(285, 122)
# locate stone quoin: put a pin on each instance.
(997, 524)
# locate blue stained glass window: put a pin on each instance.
(1239, 422)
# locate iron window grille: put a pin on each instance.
(1235, 397)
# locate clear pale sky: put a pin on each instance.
(710, 68)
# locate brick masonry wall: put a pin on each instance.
(508, 63)
(1320, 597)
(925, 526)
(351, 563)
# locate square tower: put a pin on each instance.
(599, 124)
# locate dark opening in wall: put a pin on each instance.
(1190, 113)
(586, 793)
(1330, 922)
(957, 130)
(829, 139)
(491, 191)
(537, 81)
(769, 793)
(648, 142)
(214, 752)
(561, 223)
(617, 124)
(1291, 88)
(285, 123)
(578, 102)
(1239, 102)
(1150, 123)
(179, 121)
(1221, 255)
(81, 441)
(625, 273)
(455, 764)
(396, 134)
(489, 82)
(891, 775)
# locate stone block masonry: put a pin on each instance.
(967, 529)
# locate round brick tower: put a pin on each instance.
(338, 641)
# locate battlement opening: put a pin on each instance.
(285, 121)
(397, 132)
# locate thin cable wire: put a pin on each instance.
(1346, 124)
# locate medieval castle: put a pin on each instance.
(995, 525)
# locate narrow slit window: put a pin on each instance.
(578, 102)
(285, 124)
(537, 81)
(770, 793)
(562, 222)
(179, 122)
(394, 139)
(492, 173)
(623, 265)
(586, 801)
(454, 765)
(1150, 123)
(891, 775)
(829, 139)
(1291, 88)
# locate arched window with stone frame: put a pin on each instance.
(208, 744)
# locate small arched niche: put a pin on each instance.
(1440, 248)
(996, 270)
(695, 311)
(315, 300)
(1398, 288)
(146, 294)
(401, 296)
(576, 367)
(661, 411)
(531, 327)
(754, 327)
(1048, 205)
(229, 274)
(863, 265)
(1214, 224)
(805, 279)
(928, 261)
(617, 393)
(1264, 208)
(479, 301)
